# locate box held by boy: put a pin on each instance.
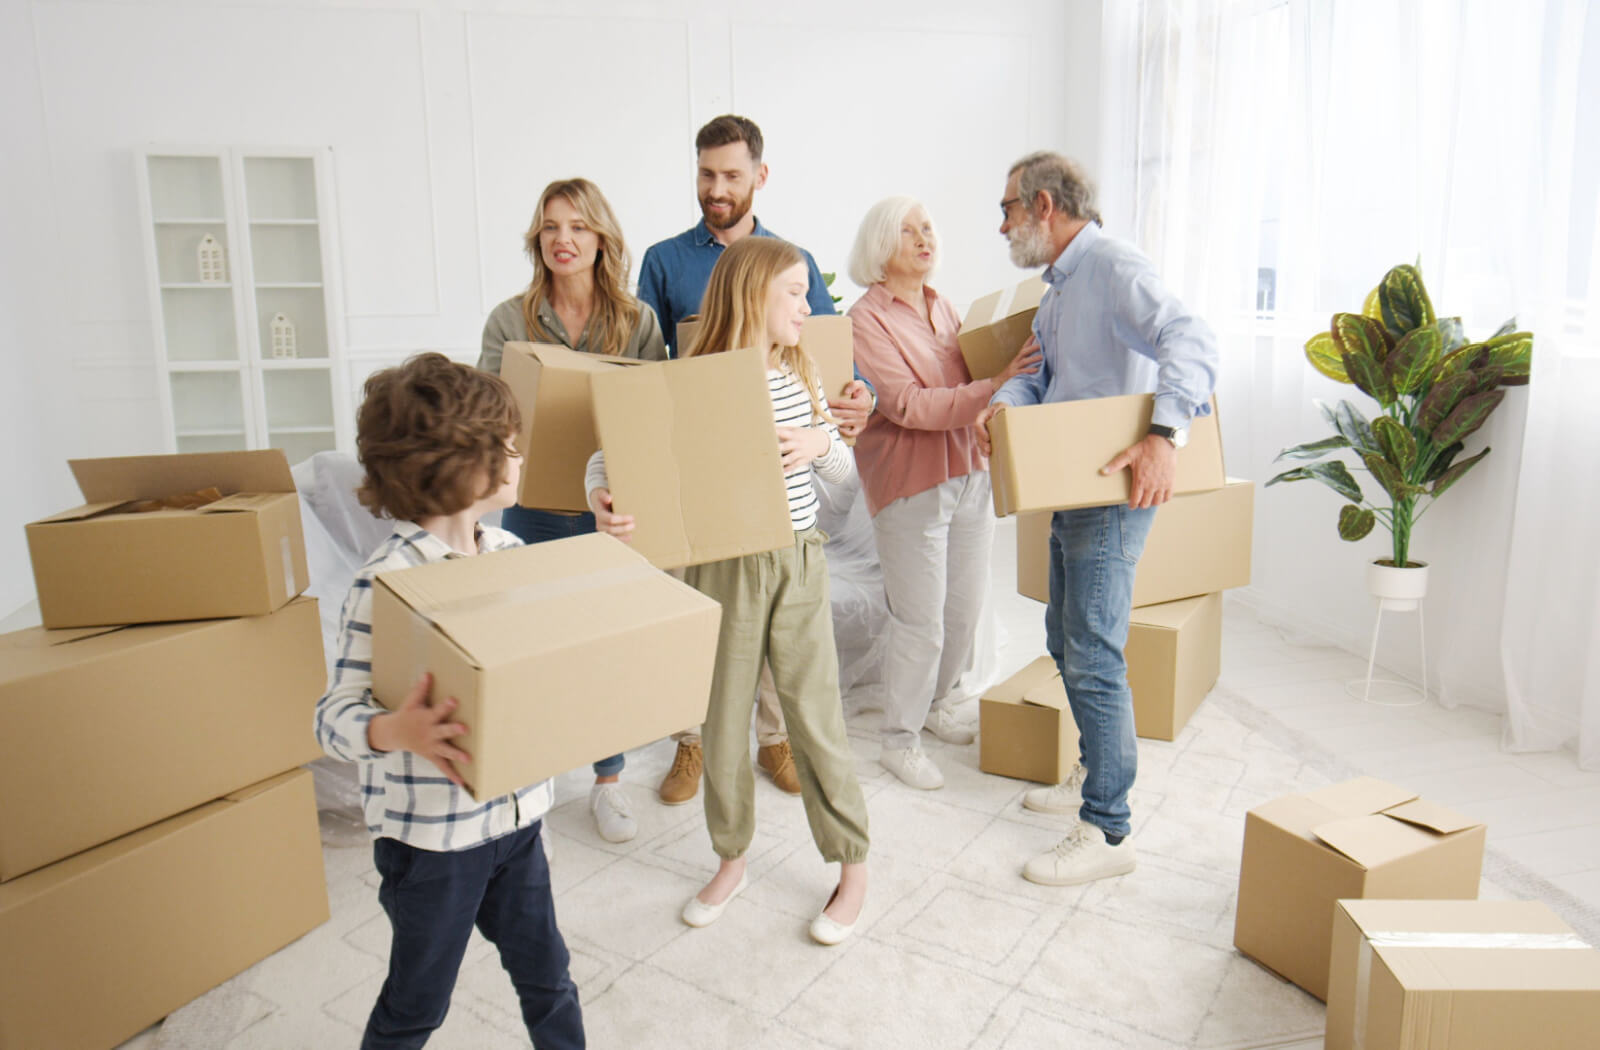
(551, 385)
(1048, 456)
(1459, 975)
(124, 558)
(1362, 838)
(559, 653)
(1025, 728)
(113, 729)
(997, 325)
(1174, 655)
(692, 453)
(97, 947)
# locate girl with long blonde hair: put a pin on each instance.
(774, 604)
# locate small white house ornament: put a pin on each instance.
(283, 338)
(209, 255)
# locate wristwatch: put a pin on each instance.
(1179, 436)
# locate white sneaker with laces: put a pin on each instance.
(613, 817)
(1065, 797)
(951, 727)
(912, 765)
(1083, 856)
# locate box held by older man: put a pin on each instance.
(113, 729)
(551, 385)
(1459, 975)
(559, 653)
(1362, 838)
(1197, 544)
(1025, 728)
(181, 537)
(1174, 655)
(692, 455)
(829, 340)
(1048, 457)
(997, 325)
(97, 947)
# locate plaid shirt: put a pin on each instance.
(404, 795)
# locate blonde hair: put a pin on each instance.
(616, 313)
(878, 239)
(733, 313)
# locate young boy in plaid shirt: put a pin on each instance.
(435, 438)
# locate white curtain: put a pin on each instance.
(1274, 158)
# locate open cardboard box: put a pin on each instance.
(1467, 975)
(113, 729)
(1026, 729)
(692, 454)
(559, 653)
(1174, 655)
(997, 325)
(1359, 839)
(242, 555)
(829, 339)
(97, 947)
(551, 385)
(1048, 457)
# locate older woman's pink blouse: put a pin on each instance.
(922, 432)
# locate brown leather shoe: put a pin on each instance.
(682, 781)
(778, 761)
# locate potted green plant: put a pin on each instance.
(1433, 388)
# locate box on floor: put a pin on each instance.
(1197, 544)
(559, 653)
(1048, 457)
(101, 945)
(1174, 655)
(1459, 975)
(113, 729)
(111, 562)
(997, 325)
(692, 455)
(1361, 839)
(551, 385)
(1025, 728)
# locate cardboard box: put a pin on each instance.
(1174, 655)
(1359, 839)
(1460, 975)
(1048, 457)
(1198, 544)
(243, 555)
(559, 653)
(102, 945)
(997, 325)
(692, 454)
(110, 730)
(1025, 728)
(551, 384)
(828, 338)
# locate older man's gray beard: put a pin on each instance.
(1030, 245)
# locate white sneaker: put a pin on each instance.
(912, 765)
(1065, 797)
(1083, 856)
(950, 727)
(612, 816)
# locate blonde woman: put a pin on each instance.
(926, 483)
(579, 299)
(774, 604)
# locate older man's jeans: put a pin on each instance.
(1094, 553)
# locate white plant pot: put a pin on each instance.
(1398, 589)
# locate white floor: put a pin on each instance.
(955, 949)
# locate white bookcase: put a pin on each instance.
(248, 344)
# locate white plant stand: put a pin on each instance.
(1395, 591)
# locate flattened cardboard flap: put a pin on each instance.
(1038, 684)
(122, 478)
(1374, 839)
(1170, 616)
(552, 356)
(1358, 797)
(1432, 816)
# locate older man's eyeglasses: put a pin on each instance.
(1005, 206)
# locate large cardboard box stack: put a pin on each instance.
(1361, 839)
(157, 837)
(1459, 975)
(520, 638)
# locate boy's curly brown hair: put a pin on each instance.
(432, 436)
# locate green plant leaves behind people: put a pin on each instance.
(1323, 353)
(1367, 375)
(1361, 336)
(1512, 352)
(1451, 476)
(1355, 522)
(1467, 417)
(1350, 424)
(1331, 473)
(1442, 400)
(1399, 447)
(1404, 301)
(1413, 359)
(1314, 449)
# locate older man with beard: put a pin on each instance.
(1107, 327)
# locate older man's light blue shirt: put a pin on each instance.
(1109, 327)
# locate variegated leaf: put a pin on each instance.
(1398, 446)
(1455, 336)
(1370, 306)
(1442, 400)
(1461, 359)
(1451, 476)
(1404, 301)
(1355, 522)
(1368, 377)
(1324, 357)
(1387, 476)
(1514, 353)
(1362, 336)
(1314, 449)
(1441, 462)
(1413, 358)
(1467, 417)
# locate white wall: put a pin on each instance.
(445, 119)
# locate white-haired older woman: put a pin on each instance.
(926, 483)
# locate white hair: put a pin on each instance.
(878, 239)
